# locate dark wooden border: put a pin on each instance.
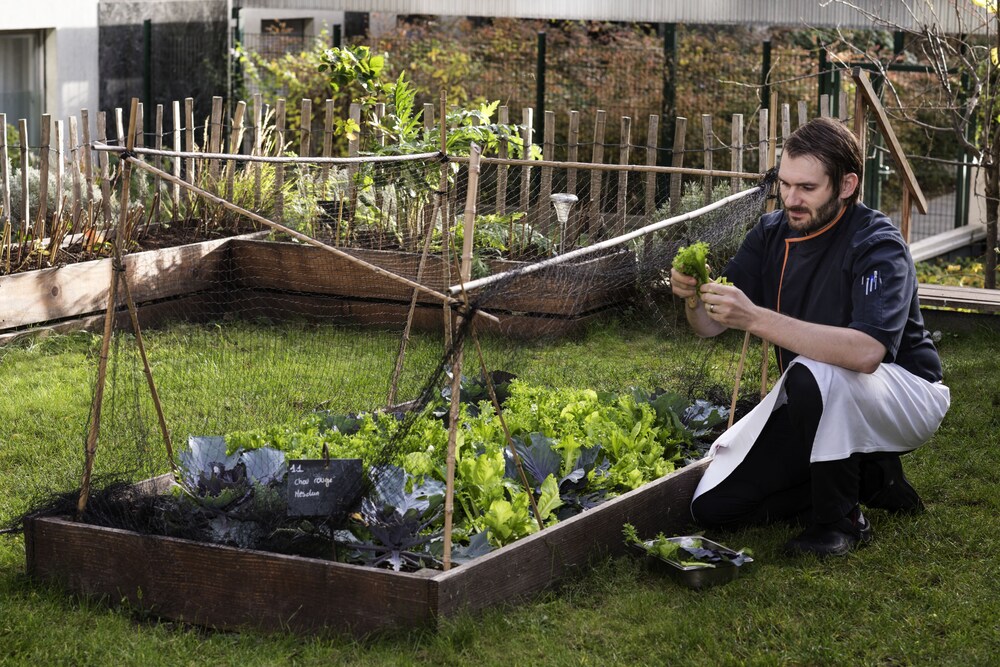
(227, 588)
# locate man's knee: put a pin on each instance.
(711, 511)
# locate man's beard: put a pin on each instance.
(824, 216)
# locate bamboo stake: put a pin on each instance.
(43, 179)
(120, 127)
(215, 139)
(189, 137)
(140, 123)
(621, 201)
(596, 222)
(465, 273)
(676, 160)
(305, 128)
(736, 152)
(74, 173)
(22, 131)
(652, 134)
(545, 212)
(503, 151)
(88, 159)
(5, 216)
(102, 163)
(6, 219)
(175, 164)
(235, 141)
(353, 147)
(158, 145)
(258, 143)
(768, 152)
(279, 169)
(708, 142)
(739, 376)
(328, 118)
(572, 149)
(445, 216)
(58, 231)
(527, 137)
(109, 318)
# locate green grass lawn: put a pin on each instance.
(926, 592)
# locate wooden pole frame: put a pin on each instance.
(465, 273)
(90, 450)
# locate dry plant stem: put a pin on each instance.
(109, 318)
(739, 376)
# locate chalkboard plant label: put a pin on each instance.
(323, 487)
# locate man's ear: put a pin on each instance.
(848, 185)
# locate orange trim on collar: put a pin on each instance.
(784, 263)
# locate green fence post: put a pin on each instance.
(540, 86)
(147, 73)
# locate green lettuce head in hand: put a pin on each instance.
(692, 261)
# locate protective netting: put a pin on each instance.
(324, 342)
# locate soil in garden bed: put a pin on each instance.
(83, 247)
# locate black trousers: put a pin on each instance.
(777, 482)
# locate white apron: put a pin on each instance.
(890, 410)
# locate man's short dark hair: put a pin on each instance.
(836, 147)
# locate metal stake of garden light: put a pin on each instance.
(562, 202)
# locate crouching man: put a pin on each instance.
(831, 285)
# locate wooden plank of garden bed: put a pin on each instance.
(77, 290)
(535, 562)
(298, 268)
(953, 296)
(279, 306)
(223, 587)
(199, 307)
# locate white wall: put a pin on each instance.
(71, 69)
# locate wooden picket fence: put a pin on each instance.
(82, 177)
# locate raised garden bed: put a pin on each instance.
(242, 275)
(75, 296)
(278, 277)
(228, 588)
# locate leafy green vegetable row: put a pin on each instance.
(577, 447)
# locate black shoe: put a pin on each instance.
(892, 491)
(832, 539)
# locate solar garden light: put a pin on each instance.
(562, 202)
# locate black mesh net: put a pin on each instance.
(321, 347)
